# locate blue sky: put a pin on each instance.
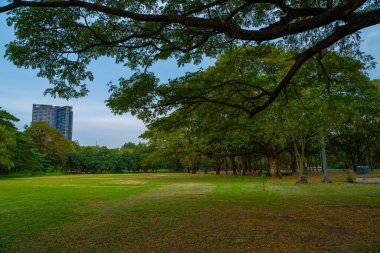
(93, 121)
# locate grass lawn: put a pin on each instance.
(187, 213)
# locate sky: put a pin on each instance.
(94, 123)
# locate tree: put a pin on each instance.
(39, 163)
(18, 152)
(307, 121)
(129, 145)
(299, 118)
(7, 120)
(138, 33)
(26, 156)
(167, 149)
(7, 144)
(50, 141)
(359, 130)
(89, 159)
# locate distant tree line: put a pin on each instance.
(40, 148)
(93, 159)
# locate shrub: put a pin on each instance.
(350, 178)
(286, 173)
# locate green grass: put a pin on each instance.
(30, 174)
(187, 213)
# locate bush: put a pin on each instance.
(350, 178)
(340, 165)
(286, 173)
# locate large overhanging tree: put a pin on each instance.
(298, 119)
(62, 37)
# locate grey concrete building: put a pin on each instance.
(59, 117)
(44, 113)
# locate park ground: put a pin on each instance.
(187, 213)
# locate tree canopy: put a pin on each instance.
(236, 84)
(49, 141)
(61, 38)
(7, 120)
(323, 98)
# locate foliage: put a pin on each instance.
(350, 178)
(168, 149)
(27, 157)
(129, 145)
(49, 141)
(7, 120)
(61, 38)
(359, 132)
(286, 174)
(184, 126)
(42, 148)
(299, 60)
(103, 160)
(7, 144)
(18, 152)
(7, 140)
(40, 163)
(204, 120)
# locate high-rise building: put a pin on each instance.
(59, 117)
(44, 113)
(64, 120)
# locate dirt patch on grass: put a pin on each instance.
(175, 190)
(95, 202)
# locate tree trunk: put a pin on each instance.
(193, 167)
(233, 164)
(218, 166)
(244, 164)
(300, 160)
(370, 159)
(250, 165)
(353, 160)
(274, 169)
(302, 179)
(217, 169)
(293, 161)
